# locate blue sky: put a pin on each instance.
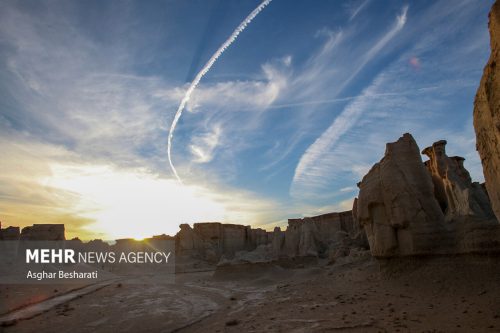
(285, 123)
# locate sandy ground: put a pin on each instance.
(438, 295)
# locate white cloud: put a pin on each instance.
(203, 145)
(356, 8)
(378, 46)
(400, 99)
(48, 182)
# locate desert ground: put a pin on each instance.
(353, 295)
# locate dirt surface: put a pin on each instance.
(18, 295)
(435, 295)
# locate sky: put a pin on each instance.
(284, 124)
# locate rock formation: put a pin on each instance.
(211, 240)
(396, 204)
(412, 208)
(43, 232)
(453, 188)
(487, 114)
(278, 240)
(316, 236)
(9, 233)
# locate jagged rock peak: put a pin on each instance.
(457, 195)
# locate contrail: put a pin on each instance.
(204, 71)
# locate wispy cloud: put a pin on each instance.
(378, 46)
(230, 40)
(308, 168)
(85, 143)
(203, 146)
(414, 100)
(355, 10)
(79, 105)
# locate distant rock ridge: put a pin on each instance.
(209, 241)
(43, 232)
(36, 232)
(9, 233)
(408, 207)
(487, 114)
(318, 236)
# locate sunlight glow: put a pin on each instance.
(133, 204)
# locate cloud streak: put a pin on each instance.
(348, 117)
(355, 11)
(401, 99)
(381, 43)
(239, 29)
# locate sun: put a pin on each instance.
(133, 204)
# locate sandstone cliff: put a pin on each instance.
(487, 114)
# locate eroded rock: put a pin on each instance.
(318, 235)
(412, 208)
(487, 114)
(457, 195)
(210, 241)
(396, 204)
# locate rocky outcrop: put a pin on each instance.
(487, 114)
(43, 232)
(278, 240)
(396, 204)
(9, 233)
(408, 207)
(317, 236)
(211, 240)
(259, 237)
(454, 190)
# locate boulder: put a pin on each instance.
(487, 114)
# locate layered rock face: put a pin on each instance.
(210, 241)
(453, 188)
(408, 207)
(487, 114)
(313, 236)
(396, 204)
(43, 232)
(317, 235)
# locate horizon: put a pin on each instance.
(285, 123)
